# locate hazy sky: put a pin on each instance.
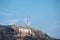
(42, 14)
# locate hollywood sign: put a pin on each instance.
(25, 30)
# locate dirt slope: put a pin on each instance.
(11, 32)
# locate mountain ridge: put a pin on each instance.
(13, 32)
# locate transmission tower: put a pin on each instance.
(27, 22)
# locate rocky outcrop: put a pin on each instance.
(12, 32)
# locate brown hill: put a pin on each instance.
(13, 32)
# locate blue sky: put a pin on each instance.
(43, 14)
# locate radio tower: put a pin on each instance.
(27, 22)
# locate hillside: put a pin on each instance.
(13, 32)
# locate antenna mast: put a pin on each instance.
(27, 22)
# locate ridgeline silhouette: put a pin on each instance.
(13, 32)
